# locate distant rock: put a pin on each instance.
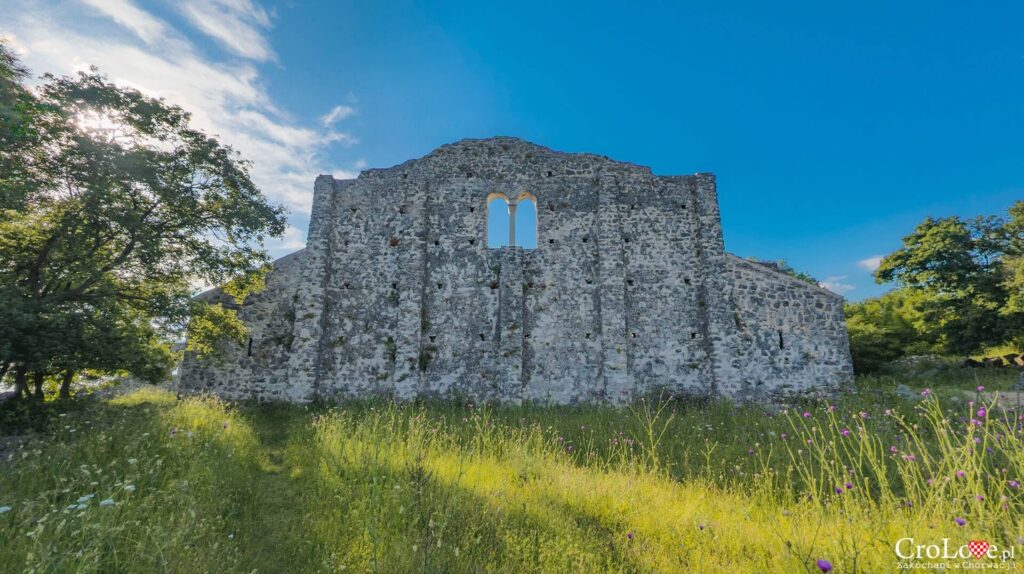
(908, 393)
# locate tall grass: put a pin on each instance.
(662, 486)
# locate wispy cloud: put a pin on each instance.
(871, 263)
(226, 96)
(236, 24)
(836, 285)
(337, 114)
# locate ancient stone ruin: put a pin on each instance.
(613, 283)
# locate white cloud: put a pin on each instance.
(235, 24)
(226, 97)
(871, 263)
(835, 284)
(127, 14)
(337, 114)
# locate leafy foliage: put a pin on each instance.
(113, 209)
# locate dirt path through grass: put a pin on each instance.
(272, 524)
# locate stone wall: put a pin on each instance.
(629, 291)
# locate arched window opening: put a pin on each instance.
(512, 223)
(498, 221)
(525, 228)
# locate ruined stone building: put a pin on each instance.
(613, 283)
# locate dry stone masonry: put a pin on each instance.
(629, 291)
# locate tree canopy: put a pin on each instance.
(113, 209)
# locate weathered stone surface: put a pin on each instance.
(629, 291)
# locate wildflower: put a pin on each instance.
(980, 497)
(5, 509)
(959, 521)
(981, 388)
(888, 412)
(807, 415)
(845, 432)
(831, 408)
(960, 474)
(783, 436)
(824, 565)
(849, 486)
(225, 425)
(1014, 484)
(750, 451)
(892, 449)
(982, 412)
(862, 415)
(107, 502)
(174, 431)
(839, 490)
(926, 392)
(629, 535)
(809, 441)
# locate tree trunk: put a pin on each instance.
(65, 384)
(37, 384)
(19, 381)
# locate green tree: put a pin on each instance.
(886, 328)
(965, 271)
(112, 210)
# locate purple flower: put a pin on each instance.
(845, 432)
(700, 526)
(1014, 484)
(862, 415)
(839, 490)
(849, 486)
(959, 521)
(807, 415)
(982, 412)
(831, 408)
(980, 497)
(926, 392)
(629, 535)
(892, 449)
(960, 474)
(750, 451)
(981, 388)
(824, 565)
(225, 424)
(783, 436)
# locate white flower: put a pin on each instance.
(107, 502)
(4, 509)
(85, 498)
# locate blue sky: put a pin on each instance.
(833, 129)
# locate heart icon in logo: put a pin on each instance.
(978, 547)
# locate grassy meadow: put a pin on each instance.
(146, 483)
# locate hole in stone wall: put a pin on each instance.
(393, 242)
(402, 209)
(469, 174)
(494, 285)
(782, 344)
(472, 210)
(585, 239)
(551, 207)
(629, 282)
(472, 241)
(405, 176)
(344, 285)
(693, 335)
(549, 174)
(632, 207)
(634, 335)
(440, 285)
(437, 242)
(248, 351)
(394, 286)
(587, 335)
(682, 206)
(433, 338)
(551, 241)
(353, 209)
(482, 338)
(686, 280)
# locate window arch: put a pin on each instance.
(525, 225)
(512, 222)
(498, 220)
